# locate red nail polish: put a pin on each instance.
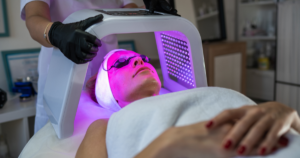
(209, 124)
(274, 149)
(263, 151)
(283, 141)
(241, 150)
(227, 144)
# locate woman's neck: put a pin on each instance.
(123, 103)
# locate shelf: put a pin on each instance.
(15, 109)
(257, 38)
(260, 71)
(209, 15)
(258, 3)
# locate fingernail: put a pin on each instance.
(274, 149)
(241, 150)
(98, 42)
(263, 151)
(209, 124)
(227, 144)
(283, 141)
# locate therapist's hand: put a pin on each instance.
(192, 141)
(160, 6)
(72, 40)
(261, 126)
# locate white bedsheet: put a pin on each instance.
(135, 126)
(45, 144)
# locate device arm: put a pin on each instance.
(93, 144)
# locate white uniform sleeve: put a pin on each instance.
(24, 2)
(125, 2)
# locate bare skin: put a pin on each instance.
(38, 17)
(127, 83)
(188, 141)
(257, 126)
(93, 144)
(194, 140)
(250, 122)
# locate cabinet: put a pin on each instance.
(257, 25)
(225, 61)
(225, 64)
(260, 84)
(16, 121)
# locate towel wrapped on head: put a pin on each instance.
(103, 91)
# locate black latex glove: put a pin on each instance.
(72, 40)
(160, 6)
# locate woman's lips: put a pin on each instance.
(141, 70)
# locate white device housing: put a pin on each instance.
(65, 79)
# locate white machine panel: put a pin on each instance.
(179, 46)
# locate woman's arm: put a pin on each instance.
(93, 144)
(260, 126)
(37, 19)
(188, 141)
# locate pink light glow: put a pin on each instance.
(88, 111)
(178, 65)
(176, 52)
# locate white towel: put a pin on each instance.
(134, 127)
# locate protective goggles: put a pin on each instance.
(123, 62)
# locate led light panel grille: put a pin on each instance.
(178, 60)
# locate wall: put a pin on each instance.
(186, 10)
(139, 2)
(144, 42)
(19, 37)
(230, 16)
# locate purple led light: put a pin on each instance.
(177, 58)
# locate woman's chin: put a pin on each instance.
(145, 77)
(149, 87)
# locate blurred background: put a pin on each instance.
(251, 46)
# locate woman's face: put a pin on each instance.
(134, 81)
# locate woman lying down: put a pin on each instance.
(174, 125)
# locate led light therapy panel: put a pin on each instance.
(179, 49)
(178, 59)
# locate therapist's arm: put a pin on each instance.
(37, 19)
(93, 144)
(131, 5)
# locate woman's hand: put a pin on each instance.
(257, 126)
(191, 141)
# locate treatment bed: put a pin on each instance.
(185, 97)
